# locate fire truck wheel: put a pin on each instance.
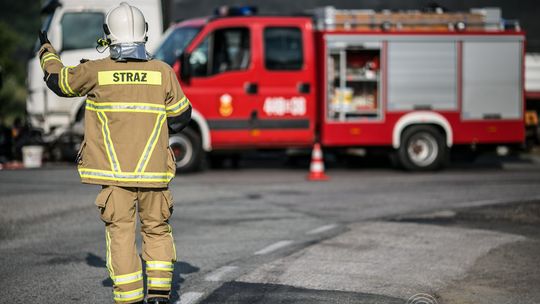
(422, 148)
(187, 149)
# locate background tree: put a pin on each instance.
(19, 23)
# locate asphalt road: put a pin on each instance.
(263, 234)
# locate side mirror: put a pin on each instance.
(185, 67)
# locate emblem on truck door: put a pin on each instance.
(225, 105)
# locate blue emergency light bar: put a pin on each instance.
(224, 11)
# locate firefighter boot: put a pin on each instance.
(157, 301)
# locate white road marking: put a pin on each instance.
(220, 273)
(189, 298)
(322, 229)
(273, 247)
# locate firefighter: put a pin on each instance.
(132, 102)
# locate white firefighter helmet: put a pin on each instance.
(125, 24)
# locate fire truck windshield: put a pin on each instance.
(176, 39)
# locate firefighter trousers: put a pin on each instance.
(118, 208)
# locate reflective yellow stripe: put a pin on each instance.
(111, 153)
(44, 60)
(109, 257)
(132, 174)
(150, 177)
(127, 278)
(159, 282)
(61, 82)
(125, 107)
(48, 57)
(126, 104)
(66, 81)
(132, 295)
(159, 265)
(150, 144)
(179, 106)
(129, 77)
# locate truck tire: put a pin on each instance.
(422, 148)
(187, 149)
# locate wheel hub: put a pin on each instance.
(182, 149)
(422, 149)
(178, 151)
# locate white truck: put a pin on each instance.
(73, 26)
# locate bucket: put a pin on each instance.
(32, 156)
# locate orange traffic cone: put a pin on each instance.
(316, 168)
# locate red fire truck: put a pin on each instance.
(415, 83)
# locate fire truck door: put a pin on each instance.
(221, 72)
(285, 109)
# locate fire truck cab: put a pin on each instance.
(416, 83)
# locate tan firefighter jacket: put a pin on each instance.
(125, 133)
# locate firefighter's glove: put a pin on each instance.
(43, 38)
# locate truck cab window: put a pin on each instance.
(175, 42)
(283, 48)
(224, 50)
(199, 59)
(81, 30)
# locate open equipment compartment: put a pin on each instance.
(354, 81)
